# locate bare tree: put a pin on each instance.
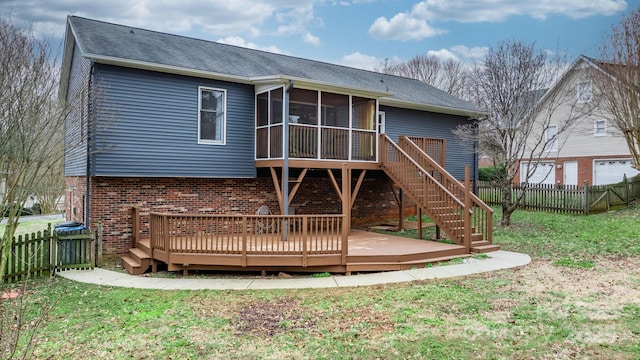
(31, 122)
(618, 81)
(51, 187)
(509, 85)
(447, 75)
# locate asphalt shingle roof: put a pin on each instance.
(105, 40)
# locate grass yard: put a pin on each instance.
(29, 227)
(578, 299)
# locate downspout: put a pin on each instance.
(285, 149)
(285, 163)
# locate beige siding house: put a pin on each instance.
(590, 149)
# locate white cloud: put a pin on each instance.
(460, 53)
(500, 10)
(402, 26)
(216, 18)
(476, 52)
(238, 41)
(443, 54)
(360, 61)
(311, 39)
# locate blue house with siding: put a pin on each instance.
(173, 124)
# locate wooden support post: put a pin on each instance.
(401, 211)
(438, 235)
(346, 195)
(467, 208)
(358, 185)
(419, 212)
(335, 184)
(135, 226)
(298, 181)
(346, 210)
(276, 185)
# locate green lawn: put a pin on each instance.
(29, 227)
(578, 299)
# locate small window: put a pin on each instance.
(600, 128)
(212, 116)
(584, 91)
(551, 138)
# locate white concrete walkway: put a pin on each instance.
(497, 260)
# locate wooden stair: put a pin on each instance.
(138, 259)
(443, 198)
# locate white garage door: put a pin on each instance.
(612, 171)
(544, 173)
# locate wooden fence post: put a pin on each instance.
(586, 197)
(626, 189)
(99, 244)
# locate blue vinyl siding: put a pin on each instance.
(75, 147)
(427, 124)
(149, 124)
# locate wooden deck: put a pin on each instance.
(367, 252)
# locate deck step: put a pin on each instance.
(144, 245)
(484, 248)
(132, 266)
(405, 265)
(139, 255)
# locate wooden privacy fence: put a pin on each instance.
(576, 199)
(44, 252)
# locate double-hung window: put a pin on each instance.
(584, 91)
(212, 114)
(600, 128)
(551, 138)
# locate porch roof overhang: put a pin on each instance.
(303, 83)
(388, 101)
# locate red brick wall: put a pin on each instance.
(74, 198)
(112, 199)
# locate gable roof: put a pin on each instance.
(138, 48)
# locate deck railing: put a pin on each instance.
(247, 235)
(481, 213)
(332, 143)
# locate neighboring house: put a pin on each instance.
(173, 124)
(592, 150)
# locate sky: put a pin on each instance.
(358, 33)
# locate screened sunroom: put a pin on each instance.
(322, 126)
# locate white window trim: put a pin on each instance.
(595, 128)
(546, 139)
(580, 98)
(223, 140)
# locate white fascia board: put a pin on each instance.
(144, 65)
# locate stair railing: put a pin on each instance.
(482, 214)
(443, 207)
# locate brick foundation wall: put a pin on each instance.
(113, 198)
